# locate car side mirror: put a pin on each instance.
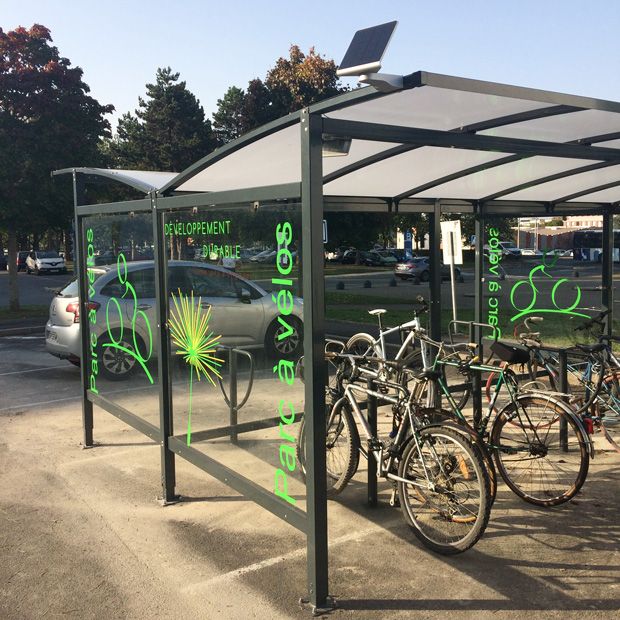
(245, 296)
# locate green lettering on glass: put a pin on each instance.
(533, 290)
(136, 315)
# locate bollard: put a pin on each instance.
(393, 282)
(340, 286)
(367, 284)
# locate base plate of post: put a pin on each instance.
(170, 502)
(329, 606)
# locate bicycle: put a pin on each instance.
(539, 446)
(593, 381)
(441, 481)
(407, 356)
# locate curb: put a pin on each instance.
(21, 331)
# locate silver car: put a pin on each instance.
(242, 312)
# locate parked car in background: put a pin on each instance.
(48, 261)
(242, 312)
(380, 258)
(4, 262)
(419, 268)
(354, 257)
(21, 260)
(400, 254)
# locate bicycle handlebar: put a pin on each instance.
(598, 320)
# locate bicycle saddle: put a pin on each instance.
(377, 312)
(591, 348)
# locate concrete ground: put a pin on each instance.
(82, 535)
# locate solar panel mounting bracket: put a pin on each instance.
(383, 82)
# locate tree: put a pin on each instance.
(168, 131)
(293, 83)
(47, 121)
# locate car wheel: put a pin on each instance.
(289, 347)
(114, 363)
(425, 276)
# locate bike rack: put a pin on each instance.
(231, 398)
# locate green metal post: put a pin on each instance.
(478, 311)
(80, 258)
(607, 277)
(166, 426)
(314, 367)
(435, 280)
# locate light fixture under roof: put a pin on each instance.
(335, 146)
(363, 58)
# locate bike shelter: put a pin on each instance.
(213, 359)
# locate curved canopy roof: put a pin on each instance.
(449, 138)
(142, 180)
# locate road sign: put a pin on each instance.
(452, 242)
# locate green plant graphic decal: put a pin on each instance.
(533, 291)
(189, 330)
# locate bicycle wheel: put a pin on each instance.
(342, 444)
(445, 417)
(362, 344)
(530, 455)
(608, 409)
(446, 499)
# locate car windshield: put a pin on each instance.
(47, 255)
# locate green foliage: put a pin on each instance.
(47, 121)
(293, 83)
(168, 131)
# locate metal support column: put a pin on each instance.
(478, 312)
(232, 391)
(563, 385)
(607, 276)
(166, 427)
(79, 256)
(315, 372)
(371, 413)
(435, 279)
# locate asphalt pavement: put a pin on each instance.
(83, 536)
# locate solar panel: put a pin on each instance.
(366, 50)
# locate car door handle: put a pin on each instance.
(143, 306)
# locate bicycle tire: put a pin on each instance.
(510, 439)
(461, 509)
(339, 471)
(444, 418)
(608, 409)
(362, 344)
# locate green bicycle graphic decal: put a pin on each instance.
(189, 331)
(116, 335)
(533, 293)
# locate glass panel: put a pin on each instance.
(564, 187)
(272, 160)
(122, 356)
(561, 128)
(435, 108)
(404, 172)
(488, 182)
(236, 330)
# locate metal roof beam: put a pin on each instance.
(585, 192)
(491, 123)
(449, 139)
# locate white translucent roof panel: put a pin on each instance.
(151, 178)
(569, 185)
(488, 182)
(360, 149)
(403, 172)
(435, 108)
(272, 160)
(606, 195)
(610, 144)
(562, 127)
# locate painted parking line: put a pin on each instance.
(21, 372)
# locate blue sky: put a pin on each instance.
(561, 45)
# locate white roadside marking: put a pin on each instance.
(281, 558)
(21, 372)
